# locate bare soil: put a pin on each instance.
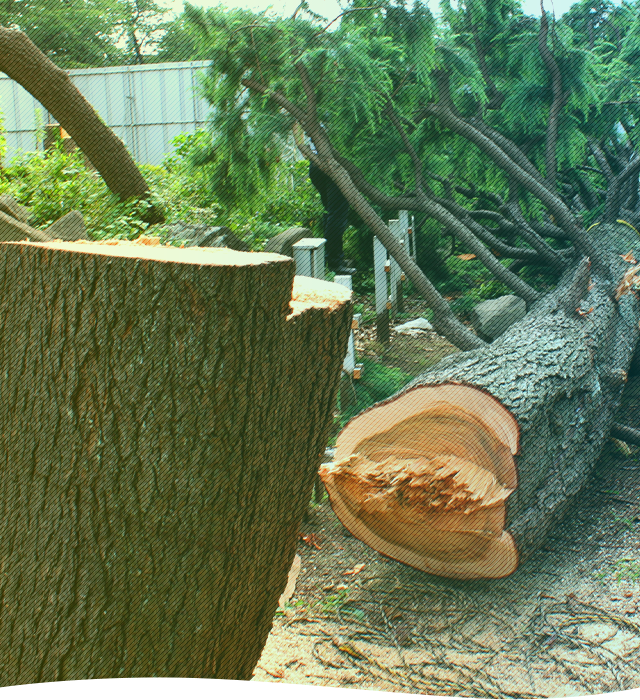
(566, 623)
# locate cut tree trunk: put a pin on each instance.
(23, 61)
(464, 472)
(163, 416)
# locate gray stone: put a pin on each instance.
(283, 242)
(9, 206)
(70, 227)
(412, 327)
(220, 237)
(13, 230)
(205, 236)
(491, 318)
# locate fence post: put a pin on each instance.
(309, 256)
(382, 295)
(399, 229)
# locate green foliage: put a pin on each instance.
(376, 384)
(72, 33)
(54, 184)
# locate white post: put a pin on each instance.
(395, 226)
(382, 295)
(309, 256)
(412, 237)
(349, 363)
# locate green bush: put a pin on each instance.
(55, 184)
(377, 383)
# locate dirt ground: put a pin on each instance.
(566, 623)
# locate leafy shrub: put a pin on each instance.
(377, 383)
(52, 185)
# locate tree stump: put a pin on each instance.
(464, 472)
(164, 413)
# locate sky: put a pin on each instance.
(331, 8)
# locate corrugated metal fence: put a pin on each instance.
(146, 106)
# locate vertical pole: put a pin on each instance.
(349, 363)
(395, 226)
(318, 262)
(381, 293)
(412, 236)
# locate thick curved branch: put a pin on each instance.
(508, 146)
(550, 159)
(415, 160)
(615, 190)
(430, 206)
(23, 61)
(556, 206)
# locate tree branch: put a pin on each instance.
(296, 112)
(555, 205)
(600, 157)
(508, 146)
(485, 235)
(550, 160)
(496, 98)
(415, 160)
(424, 204)
(614, 190)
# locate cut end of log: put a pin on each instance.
(312, 292)
(424, 478)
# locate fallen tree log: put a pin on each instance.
(163, 413)
(464, 471)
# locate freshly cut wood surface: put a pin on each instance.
(425, 480)
(163, 412)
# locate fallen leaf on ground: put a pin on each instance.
(466, 256)
(356, 570)
(310, 540)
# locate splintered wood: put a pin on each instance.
(424, 479)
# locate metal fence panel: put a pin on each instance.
(146, 106)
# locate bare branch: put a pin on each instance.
(600, 157)
(555, 205)
(589, 169)
(346, 12)
(614, 190)
(550, 160)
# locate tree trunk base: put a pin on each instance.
(164, 413)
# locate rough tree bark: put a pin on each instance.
(164, 413)
(464, 471)
(23, 61)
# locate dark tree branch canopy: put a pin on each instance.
(557, 104)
